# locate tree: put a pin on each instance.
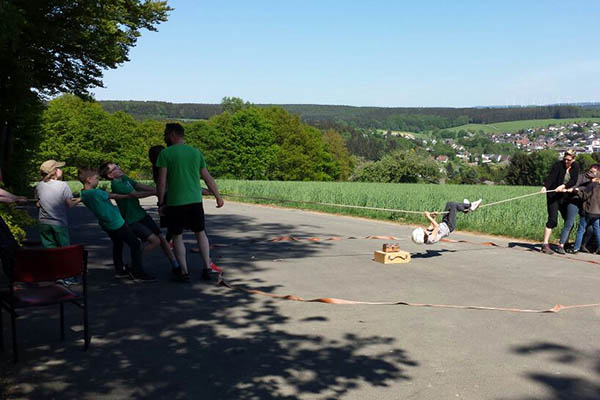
(337, 147)
(53, 46)
(233, 104)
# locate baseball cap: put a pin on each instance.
(49, 166)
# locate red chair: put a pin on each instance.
(31, 266)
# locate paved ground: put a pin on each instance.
(165, 340)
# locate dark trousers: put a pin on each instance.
(452, 208)
(556, 205)
(125, 235)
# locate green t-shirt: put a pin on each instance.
(130, 208)
(183, 164)
(98, 202)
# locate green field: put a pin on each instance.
(523, 218)
(515, 126)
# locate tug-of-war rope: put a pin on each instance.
(394, 210)
(331, 300)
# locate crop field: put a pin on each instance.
(524, 218)
(515, 126)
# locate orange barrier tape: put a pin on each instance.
(331, 300)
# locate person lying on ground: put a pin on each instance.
(435, 232)
(110, 220)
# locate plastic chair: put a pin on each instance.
(31, 266)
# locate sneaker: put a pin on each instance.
(206, 274)
(142, 276)
(573, 251)
(547, 250)
(122, 273)
(475, 204)
(181, 278)
(215, 269)
(561, 250)
(466, 201)
(584, 249)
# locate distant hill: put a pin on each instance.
(413, 119)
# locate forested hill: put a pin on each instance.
(397, 118)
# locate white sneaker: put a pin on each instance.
(475, 204)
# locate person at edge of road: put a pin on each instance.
(591, 209)
(584, 179)
(142, 224)
(110, 220)
(435, 232)
(563, 175)
(54, 198)
(180, 167)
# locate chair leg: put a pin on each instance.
(1, 332)
(13, 320)
(62, 321)
(86, 334)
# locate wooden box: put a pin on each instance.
(396, 257)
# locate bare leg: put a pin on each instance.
(164, 244)
(152, 243)
(204, 247)
(179, 248)
(547, 233)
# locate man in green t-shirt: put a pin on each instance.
(180, 168)
(110, 220)
(132, 212)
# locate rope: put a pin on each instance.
(394, 210)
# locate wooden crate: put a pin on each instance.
(395, 257)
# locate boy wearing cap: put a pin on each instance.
(110, 220)
(53, 199)
(435, 232)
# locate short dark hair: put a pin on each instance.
(174, 127)
(596, 166)
(104, 169)
(84, 173)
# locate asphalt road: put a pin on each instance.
(167, 340)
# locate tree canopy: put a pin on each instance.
(61, 46)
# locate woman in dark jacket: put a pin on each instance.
(562, 176)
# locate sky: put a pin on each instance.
(394, 53)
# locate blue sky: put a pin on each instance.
(367, 53)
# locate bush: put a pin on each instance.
(17, 220)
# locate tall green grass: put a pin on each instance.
(523, 218)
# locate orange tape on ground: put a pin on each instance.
(331, 300)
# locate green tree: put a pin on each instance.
(337, 147)
(233, 104)
(54, 46)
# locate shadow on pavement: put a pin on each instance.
(565, 386)
(164, 340)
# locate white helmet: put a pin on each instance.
(418, 236)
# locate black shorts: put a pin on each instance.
(188, 216)
(144, 228)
